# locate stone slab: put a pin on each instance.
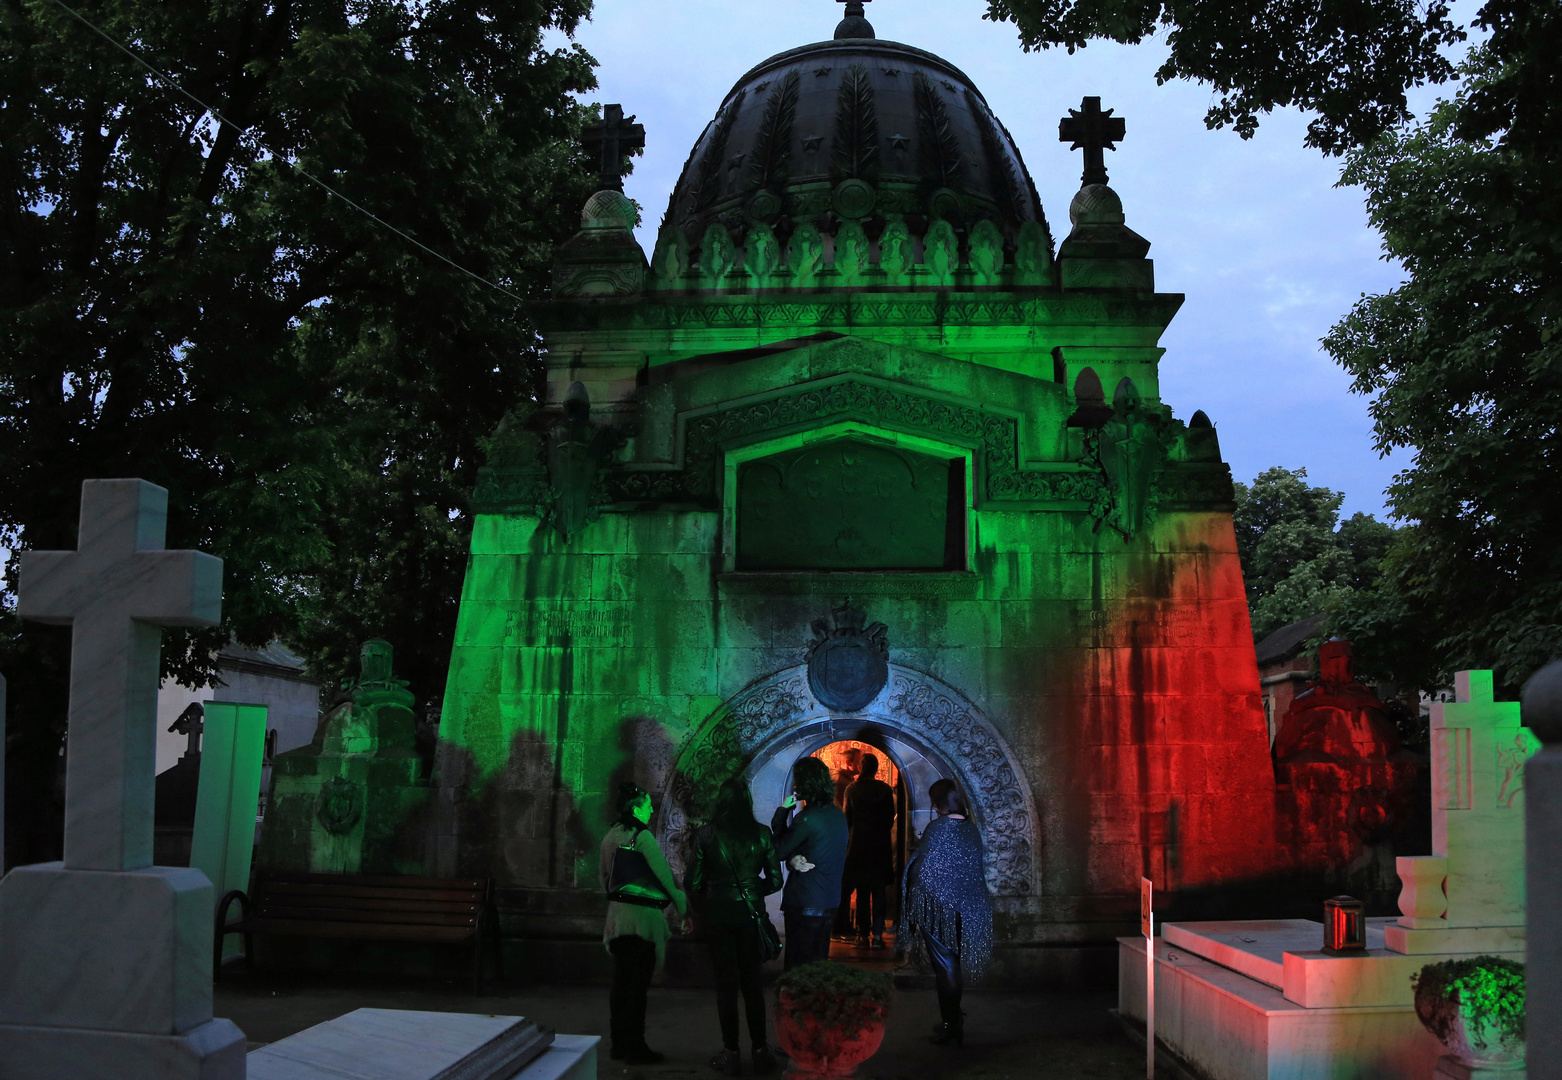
(1232, 1027)
(1456, 940)
(122, 951)
(570, 1057)
(210, 1051)
(1256, 947)
(1450, 1068)
(394, 1044)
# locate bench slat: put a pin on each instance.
(292, 889)
(364, 931)
(387, 881)
(400, 918)
(360, 904)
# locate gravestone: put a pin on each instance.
(105, 960)
(1543, 830)
(347, 802)
(1468, 896)
(2, 774)
(231, 751)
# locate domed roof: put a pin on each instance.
(853, 129)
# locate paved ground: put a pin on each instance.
(1008, 1035)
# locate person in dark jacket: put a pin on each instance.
(735, 867)
(945, 890)
(813, 846)
(870, 856)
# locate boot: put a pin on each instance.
(952, 1030)
(729, 1062)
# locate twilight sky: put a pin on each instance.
(1269, 253)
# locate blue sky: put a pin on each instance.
(1268, 251)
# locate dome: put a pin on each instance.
(853, 129)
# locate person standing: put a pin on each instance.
(639, 885)
(945, 901)
(813, 846)
(735, 867)
(845, 777)
(870, 856)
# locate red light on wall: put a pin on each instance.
(1344, 926)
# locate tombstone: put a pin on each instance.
(1542, 714)
(231, 751)
(1261, 999)
(342, 803)
(1475, 874)
(105, 959)
(2, 775)
(178, 789)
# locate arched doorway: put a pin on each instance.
(929, 728)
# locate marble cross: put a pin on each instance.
(116, 590)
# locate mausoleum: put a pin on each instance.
(862, 452)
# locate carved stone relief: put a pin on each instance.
(758, 721)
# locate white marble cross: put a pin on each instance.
(116, 590)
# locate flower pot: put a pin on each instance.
(824, 1051)
(1471, 1040)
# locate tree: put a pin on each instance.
(1464, 360)
(1347, 62)
(1295, 561)
(180, 302)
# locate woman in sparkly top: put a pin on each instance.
(946, 903)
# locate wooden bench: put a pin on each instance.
(365, 907)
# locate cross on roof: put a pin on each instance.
(610, 144)
(1091, 129)
(854, 7)
(116, 590)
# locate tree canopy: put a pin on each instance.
(1298, 558)
(1464, 360)
(179, 302)
(1347, 63)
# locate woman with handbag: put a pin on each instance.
(735, 867)
(946, 904)
(639, 886)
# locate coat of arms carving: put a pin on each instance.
(848, 664)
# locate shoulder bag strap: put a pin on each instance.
(721, 845)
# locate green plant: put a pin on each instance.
(836, 996)
(1489, 989)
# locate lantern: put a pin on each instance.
(1344, 926)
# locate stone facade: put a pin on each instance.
(902, 401)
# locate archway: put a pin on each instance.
(930, 727)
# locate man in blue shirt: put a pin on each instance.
(813, 847)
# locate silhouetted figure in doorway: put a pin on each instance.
(870, 857)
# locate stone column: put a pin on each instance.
(1542, 705)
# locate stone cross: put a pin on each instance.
(608, 143)
(1090, 129)
(116, 590)
(1469, 895)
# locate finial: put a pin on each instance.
(855, 25)
(1091, 129)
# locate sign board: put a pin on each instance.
(1147, 928)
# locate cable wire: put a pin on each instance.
(281, 157)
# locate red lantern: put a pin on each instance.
(1344, 926)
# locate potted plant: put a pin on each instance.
(1476, 1007)
(830, 1019)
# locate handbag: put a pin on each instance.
(631, 880)
(764, 929)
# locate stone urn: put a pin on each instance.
(823, 1048)
(1470, 1005)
